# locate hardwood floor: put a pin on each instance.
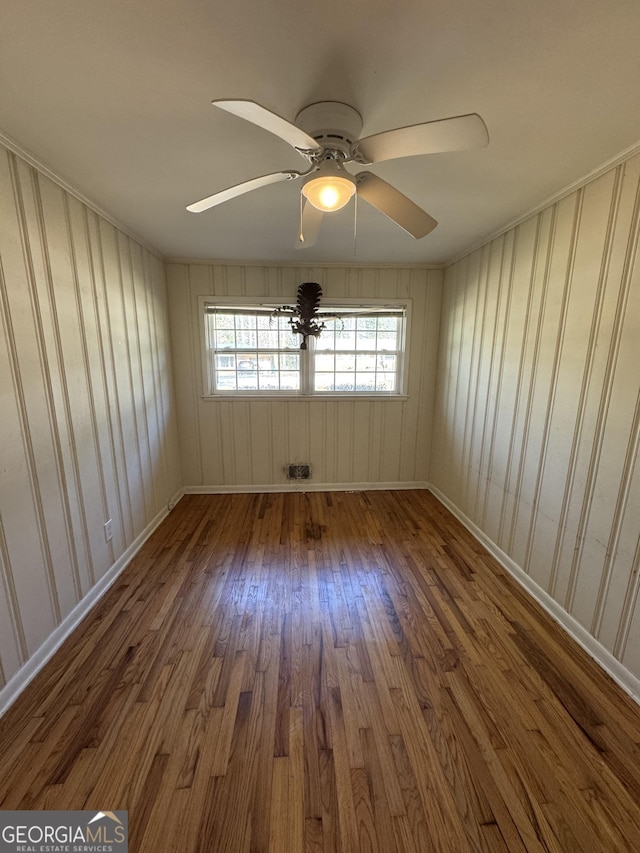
(326, 672)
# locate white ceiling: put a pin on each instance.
(115, 98)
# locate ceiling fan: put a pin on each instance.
(326, 135)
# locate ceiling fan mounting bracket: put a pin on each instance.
(335, 126)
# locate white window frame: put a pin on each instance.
(340, 305)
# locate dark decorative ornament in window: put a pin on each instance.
(306, 319)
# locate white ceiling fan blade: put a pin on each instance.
(394, 204)
(250, 111)
(240, 189)
(448, 134)
(310, 222)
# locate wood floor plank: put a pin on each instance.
(327, 673)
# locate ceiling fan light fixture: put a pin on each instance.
(330, 188)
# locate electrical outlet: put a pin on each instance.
(108, 530)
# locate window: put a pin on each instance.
(250, 351)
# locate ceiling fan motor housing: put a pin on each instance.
(333, 125)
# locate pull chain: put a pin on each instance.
(355, 223)
(300, 234)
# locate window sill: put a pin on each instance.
(305, 398)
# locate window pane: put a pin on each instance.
(365, 382)
(388, 324)
(345, 382)
(223, 321)
(247, 361)
(324, 362)
(346, 339)
(268, 379)
(366, 340)
(225, 362)
(387, 341)
(247, 381)
(289, 361)
(225, 338)
(387, 362)
(324, 382)
(345, 361)
(246, 338)
(366, 324)
(268, 339)
(386, 382)
(226, 380)
(289, 381)
(287, 339)
(366, 362)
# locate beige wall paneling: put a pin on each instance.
(537, 415)
(88, 423)
(233, 443)
(13, 648)
(30, 497)
(66, 348)
(137, 442)
(570, 419)
(557, 227)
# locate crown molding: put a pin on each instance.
(593, 175)
(307, 265)
(34, 162)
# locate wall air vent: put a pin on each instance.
(298, 472)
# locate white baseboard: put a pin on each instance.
(611, 665)
(303, 486)
(14, 687)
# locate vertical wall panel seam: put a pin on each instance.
(456, 396)
(157, 462)
(445, 388)
(140, 322)
(634, 437)
(618, 519)
(423, 373)
(13, 603)
(464, 473)
(57, 345)
(96, 317)
(116, 392)
(127, 371)
(629, 606)
(483, 480)
(596, 321)
(504, 486)
(130, 367)
(20, 394)
(553, 382)
(91, 398)
(7, 576)
(533, 374)
(483, 287)
(603, 409)
(213, 289)
(518, 391)
(159, 402)
(500, 372)
(441, 369)
(250, 443)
